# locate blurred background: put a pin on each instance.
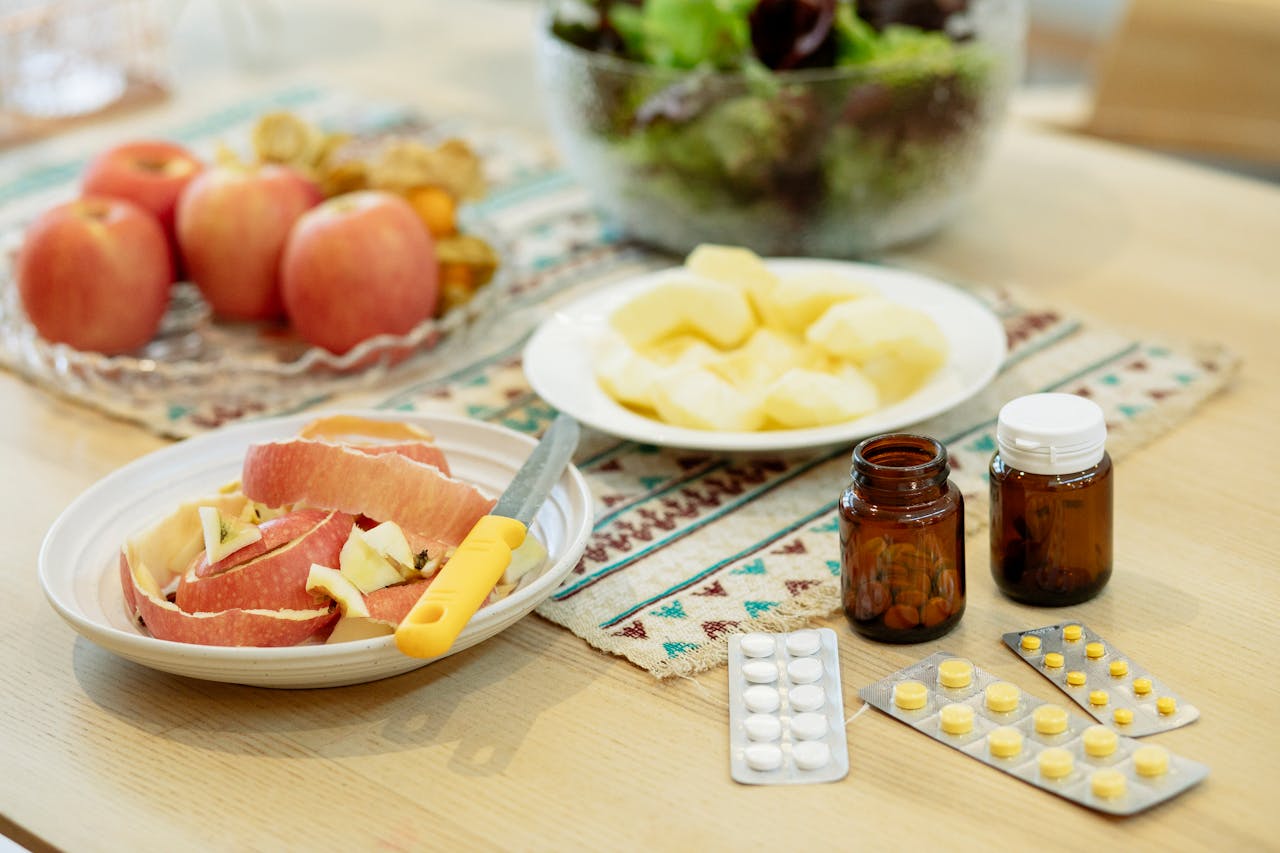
(1192, 78)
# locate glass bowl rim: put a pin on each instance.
(801, 76)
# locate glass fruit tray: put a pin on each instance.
(197, 373)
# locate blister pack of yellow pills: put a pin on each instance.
(786, 711)
(1106, 683)
(1041, 743)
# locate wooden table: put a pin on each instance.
(535, 741)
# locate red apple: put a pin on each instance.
(270, 579)
(358, 265)
(232, 226)
(149, 173)
(95, 273)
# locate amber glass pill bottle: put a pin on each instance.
(902, 541)
(1051, 500)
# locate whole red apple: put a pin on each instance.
(149, 173)
(356, 266)
(95, 273)
(232, 227)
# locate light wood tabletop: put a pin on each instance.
(535, 741)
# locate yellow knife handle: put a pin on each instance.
(461, 587)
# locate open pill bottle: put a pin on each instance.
(902, 541)
(1051, 500)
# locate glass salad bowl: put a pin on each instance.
(836, 161)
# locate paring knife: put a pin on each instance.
(484, 554)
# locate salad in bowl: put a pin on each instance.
(794, 127)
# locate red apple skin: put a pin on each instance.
(232, 224)
(149, 173)
(275, 580)
(356, 266)
(276, 532)
(95, 274)
(421, 499)
(235, 627)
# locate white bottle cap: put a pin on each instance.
(1051, 433)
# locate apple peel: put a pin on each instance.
(276, 578)
(387, 486)
(236, 627)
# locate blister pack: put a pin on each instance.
(1114, 689)
(786, 711)
(1041, 743)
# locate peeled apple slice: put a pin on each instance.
(719, 312)
(224, 535)
(527, 558)
(624, 374)
(681, 351)
(866, 329)
(739, 267)
(699, 399)
(367, 557)
(801, 299)
(807, 398)
(765, 356)
(330, 582)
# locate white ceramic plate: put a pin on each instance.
(79, 558)
(559, 362)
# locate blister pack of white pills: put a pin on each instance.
(1109, 685)
(1041, 743)
(786, 711)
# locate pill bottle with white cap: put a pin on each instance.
(1051, 500)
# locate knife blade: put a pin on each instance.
(457, 592)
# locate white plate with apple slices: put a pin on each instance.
(78, 562)
(559, 361)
